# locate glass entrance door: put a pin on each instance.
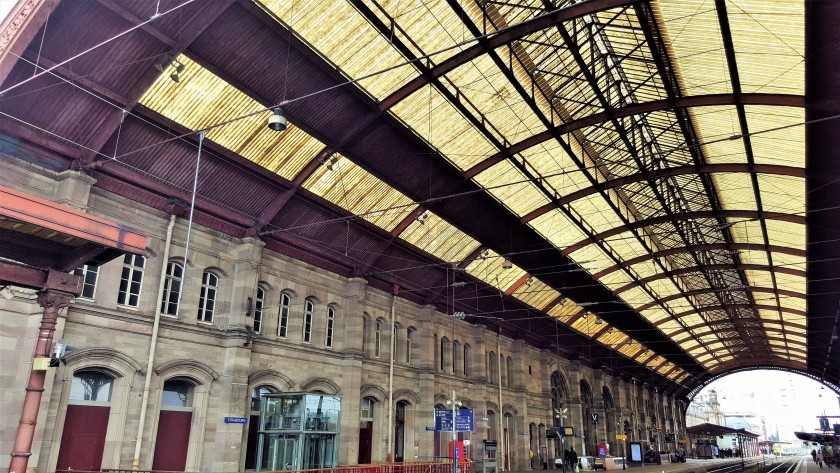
(318, 451)
(278, 452)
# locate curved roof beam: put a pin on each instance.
(793, 346)
(704, 324)
(696, 390)
(711, 308)
(501, 38)
(637, 109)
(706, 247)
(712, 267)
(746, 214)
(663, 173)
(766, 290)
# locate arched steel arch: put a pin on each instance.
(705, 247)
(662, 173)
(693, 393)
(712, 267)
(746, 214)
(766, 290)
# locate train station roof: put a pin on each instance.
(645, 186)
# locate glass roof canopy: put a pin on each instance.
(693, 216)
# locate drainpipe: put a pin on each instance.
(135, 462)
(390, 441)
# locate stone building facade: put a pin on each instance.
(309, 330)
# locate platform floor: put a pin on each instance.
(702, 466)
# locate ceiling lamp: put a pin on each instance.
(506, 264)
(278, 121)
(421, 218)
(179, 68)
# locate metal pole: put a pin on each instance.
(389, 441)
(454, 436)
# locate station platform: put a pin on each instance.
(804, 465)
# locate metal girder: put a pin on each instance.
(782, 338)
(734, 306)
(638, 109)
(712, 267)
(491, 41)
(745, 214)
(663, 173)
(706, 247)
(764, 290)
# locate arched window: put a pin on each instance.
(491, 425)
(456, 351)
(377, 339)
(368, 405)
(308, 310)
(509, 369)
(283, 317)
(131, 281)
(492, 367)
(365, 328)
(256, 397)
(443, 343)
(171, 288)
(207, 298)
(177, 395)
(330, 326)
(409, 333)
(466, 359)
(259, 303)
(91, 386)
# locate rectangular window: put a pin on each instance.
(207, 298)
(408, 335)
(283, 317)
(330, 323)
(308, 309)
(377, 340)
(131, 281)
(172, 289)
(89, 274)
(258, 308)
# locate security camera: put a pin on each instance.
(278, 121)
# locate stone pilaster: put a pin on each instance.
(73, 189)
(349, 336)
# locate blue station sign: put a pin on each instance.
(463, 420)
(236, 420)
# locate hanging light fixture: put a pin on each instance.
(506, 264)
(278, 121)
(179, 68)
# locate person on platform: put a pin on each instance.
(574, 457)
(819, 457)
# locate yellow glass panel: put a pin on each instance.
(630, 350)
(692, 33)
(510, 187)
(597, 214)
(556, 227)
(352, 188)
(735, 191)
(715, 125)
(536, 293)
(786, 234)
(431, 116)
(489, 269)
(564, 310)
(348, 40)
(202, 99)
(440, 238)
(762, 30)
(784, 194)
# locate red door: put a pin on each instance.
(173, 438)
(83, 438)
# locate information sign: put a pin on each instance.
(236, 420)
(463, 420)
(620, 437)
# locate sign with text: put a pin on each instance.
(236, 420)
(594, 419)
(463, 420)
(620, 437)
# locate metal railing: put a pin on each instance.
(418, 467)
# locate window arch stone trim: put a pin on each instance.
(187, 368)
(321, 384)
(407, 395)
(374, 391)
(116, 362)
(510, 409)
(271, 377)
(492, 406)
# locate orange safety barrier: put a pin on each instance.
(465, 466)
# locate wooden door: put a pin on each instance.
(173, 438)
(365, 441)
(253, 442)
(83, 438)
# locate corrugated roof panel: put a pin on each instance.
(433, 26)
(735, 191)
(655, 314)
(486, 89)
(783, 146)
(791, 282)
(438, 237)
(769, 41)
(715, 125)
(552, 162)
(786, 234)
(352, 188)
(565, 309)
(432, 117)
(784, 194)
(612, 337)
(507, 184)
(692, 35)
(630, 350)
(556, 227)
(490, 270)
(347, 40)
(746, 231)
(536, 293)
